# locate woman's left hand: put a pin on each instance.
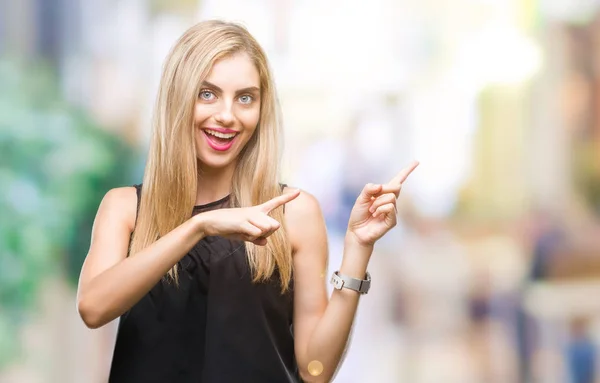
(374, 212)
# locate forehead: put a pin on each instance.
(234, 72)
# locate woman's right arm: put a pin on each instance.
(110, 282)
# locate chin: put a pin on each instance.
(210, 162)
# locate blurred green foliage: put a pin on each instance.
(55, 166)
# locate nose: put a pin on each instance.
(225, 115)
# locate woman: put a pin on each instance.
(211, 279)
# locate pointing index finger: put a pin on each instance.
(404, 173)
(279, 200)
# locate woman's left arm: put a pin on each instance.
(322, 327)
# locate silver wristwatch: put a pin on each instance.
(340, 281)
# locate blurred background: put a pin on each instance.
(492, 275)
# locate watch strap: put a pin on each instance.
(340, 281)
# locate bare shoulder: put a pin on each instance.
(304, 207)
(304, 218)
(120, 203)
(111, 232)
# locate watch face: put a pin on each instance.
(365, 288)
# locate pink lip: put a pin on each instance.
(222, 130)
(217, 147)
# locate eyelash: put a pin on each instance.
(213, 94)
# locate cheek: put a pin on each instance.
(198, 137)
(201, 112)
(249, 119)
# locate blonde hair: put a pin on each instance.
(170, 178)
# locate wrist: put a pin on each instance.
(352, 241)
(199, 224)
(356, 257)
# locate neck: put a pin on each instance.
(213, 184)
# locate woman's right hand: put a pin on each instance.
(251, 224)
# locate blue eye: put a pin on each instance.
(246, 99)
(206, 95)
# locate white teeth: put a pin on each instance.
(219, 134)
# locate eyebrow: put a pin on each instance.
(243, 90)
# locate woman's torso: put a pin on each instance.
(215, 326)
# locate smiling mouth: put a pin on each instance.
(219, 137)
(219, 141)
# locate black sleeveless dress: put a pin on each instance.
(215, 327)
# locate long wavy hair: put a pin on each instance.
(170, 177)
